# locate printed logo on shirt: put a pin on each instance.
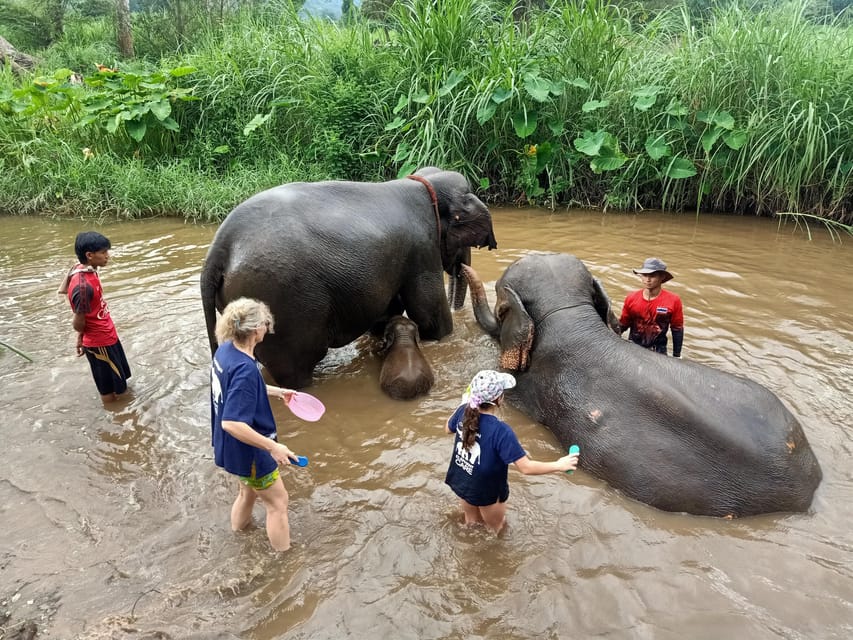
(662, 310)
(467, 458)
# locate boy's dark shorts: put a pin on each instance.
(109, 368)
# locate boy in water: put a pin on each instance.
(96, 333)
(650, 312)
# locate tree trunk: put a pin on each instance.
(123, 31)
(55, 12)
(20, 62)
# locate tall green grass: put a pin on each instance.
(582, 103)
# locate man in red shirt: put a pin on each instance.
(650, 312)
(96, 333)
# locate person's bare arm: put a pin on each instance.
(279, 392)
(244, 433)
(79, 325)
(530, 467)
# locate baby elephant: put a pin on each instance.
(405, 372)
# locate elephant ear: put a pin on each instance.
(517, 331)
(601, 302)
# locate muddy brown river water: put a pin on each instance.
(114, 523)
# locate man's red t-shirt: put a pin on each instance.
(649, 320)
(87, 297)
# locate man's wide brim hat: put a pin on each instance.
(654, 265)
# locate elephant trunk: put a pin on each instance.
(457, 285)
(485, 318)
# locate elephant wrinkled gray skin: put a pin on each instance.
(405, 373)
(336, 259)
(677, 435)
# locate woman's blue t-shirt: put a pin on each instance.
(479, 475)
(238, 393)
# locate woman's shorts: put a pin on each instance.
(264, 482)
(483, 500)
(109, 368)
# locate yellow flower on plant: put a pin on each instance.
(87, 153)
(531, 150)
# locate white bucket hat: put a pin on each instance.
(488, 386)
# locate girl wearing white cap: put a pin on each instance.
(483, 448)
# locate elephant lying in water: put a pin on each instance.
(677, 435)
(336, 259)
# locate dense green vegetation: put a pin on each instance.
(565, 103)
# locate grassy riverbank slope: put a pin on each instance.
(582, 104)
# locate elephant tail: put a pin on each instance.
(211, 285)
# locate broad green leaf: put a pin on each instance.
(421, 98)
(590, 143)
(649, 91)
(402, 103)
(544, 155)
(680, 168)
(223, 148)
(113, 123)
(453, 79)
(580, 83)
(131, 80)
(42, 83)
(486, 111)
(96, 105)
(179, 72)
(710, 137)
(484, 183)
(88, 119)
(675, 108)
(395, 124)
(161, 109)
(644, 103)
(256, 122)
(135, 112)
(501, 95)
(735, 139)
(524, 123)
(557, 127)
(153, 86)
(592, 105)
(136, 129)
(724, 120)
(657, 148)
(62, 74)
(538, 88)
(403, 152)
(557, 88)
(170, 124)
(407, 169)
(607, 162)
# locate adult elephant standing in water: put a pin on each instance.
(674, 434)
(334, 259)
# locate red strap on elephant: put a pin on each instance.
(433, 197)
